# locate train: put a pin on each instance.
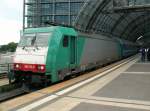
(49, 54)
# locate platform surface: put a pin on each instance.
(124, 89)
(96, 107)
(4, 82)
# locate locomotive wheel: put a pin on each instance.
(18, 79)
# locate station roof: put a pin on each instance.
(124, 21)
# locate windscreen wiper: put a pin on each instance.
(34, 43)
(24, 48)
(36, 47)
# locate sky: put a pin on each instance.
(11, 20)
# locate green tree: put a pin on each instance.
(11, 47)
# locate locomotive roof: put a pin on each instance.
(64, 30)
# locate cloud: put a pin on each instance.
(10, 20)
(9, 31)
(12, 4)
(11, 9)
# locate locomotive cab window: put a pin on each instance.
(65, 41)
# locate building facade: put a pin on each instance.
(38, 12)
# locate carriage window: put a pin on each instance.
(65, 41)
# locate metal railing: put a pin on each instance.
(5, 70)
(130, 3)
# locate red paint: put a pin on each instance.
(30, 67)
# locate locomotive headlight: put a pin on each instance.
(41, 68)
(17, 65)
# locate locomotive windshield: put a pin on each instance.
(40, 40)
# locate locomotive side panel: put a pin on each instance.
(99, 51)
(59, 62)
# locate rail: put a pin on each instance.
(10, 90)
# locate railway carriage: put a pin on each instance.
(50, 54)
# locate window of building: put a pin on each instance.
(63, 19)
(75, 7)
(45, 19)
(73, 19)
(46, 9)
(61, 11)
(62, 8)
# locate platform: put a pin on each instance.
(4, 81)
(126, 88)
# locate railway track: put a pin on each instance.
(11, 94)
(10, 91)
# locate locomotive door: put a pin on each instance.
(72, 50)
